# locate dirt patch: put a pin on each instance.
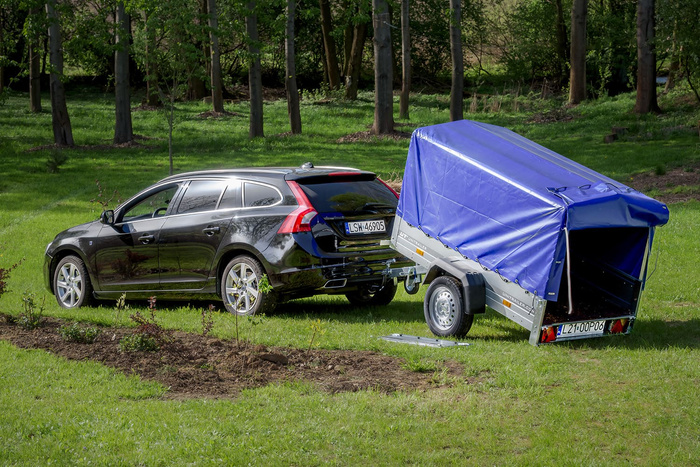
(551, 116)
(665, 187)
(213, 114)
(192, 365)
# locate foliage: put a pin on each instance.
(5, 276)
(55, 160)
(148, 335)
(33, 313)
(317, 329)
(76, 333)
(102, 200)
(207, 319)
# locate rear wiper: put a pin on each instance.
(375, 206)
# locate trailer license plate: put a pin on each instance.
(365, 227)
(587, 328)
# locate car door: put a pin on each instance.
(128, 257)
(191, 236)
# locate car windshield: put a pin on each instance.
(351, 196)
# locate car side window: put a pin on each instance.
(232, 196)
(201, 195)
(257, 195)
(154, 205)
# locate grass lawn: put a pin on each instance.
(632, 399)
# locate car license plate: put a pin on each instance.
(586, 328)
(365, 227)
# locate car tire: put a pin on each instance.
(382, 297)
(240, 287)
(444, 308)
(71, 283)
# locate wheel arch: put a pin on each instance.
(62, 253)
(473, 284)
(232, 252)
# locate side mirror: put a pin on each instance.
(107, 217)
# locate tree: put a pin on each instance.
(34, 60)
(60, 120)
(383, 73)
(217, 95)
(290, 75)
(561, 41)
(457, 89)
(577, 78)
(123, 132)
(359, 35)
(405, 61)
(329, 45)
(254, 72)
(646, 59)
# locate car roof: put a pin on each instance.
(288, 173)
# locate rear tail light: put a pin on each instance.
(549, 334)
(300, 219)
(619, 326)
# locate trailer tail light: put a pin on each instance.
(300, 219)
(549, 334)
(619, 326)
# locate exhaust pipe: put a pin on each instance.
(335, 284)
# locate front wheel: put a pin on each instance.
(240, 287)
(444, 308)
(381, 297)
(71, 283)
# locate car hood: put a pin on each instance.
(79, 230)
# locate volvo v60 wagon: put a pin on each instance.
(308, 230)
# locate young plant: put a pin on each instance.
(102, 198)
(207, 320)
(5, 276)
(32, 315)
(55, 160)
(119, 308)
(316, 329)
(75, 333)
(148, 335)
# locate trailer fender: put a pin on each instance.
(473, 285)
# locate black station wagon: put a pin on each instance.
(310, 230)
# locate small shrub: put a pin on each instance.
(32, 316)
(119, 308)
(56, 159)
(75, 333)
(148, 335)
(660, 170)
(207, 320)
(138, 342)
(316, 330)
(5, 276)
(264, 285)
(102, 197)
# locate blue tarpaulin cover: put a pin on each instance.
(504, 201)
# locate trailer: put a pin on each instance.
(493, 219)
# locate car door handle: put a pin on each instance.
(146, 238)
(211, 230)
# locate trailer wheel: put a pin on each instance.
(444, 308)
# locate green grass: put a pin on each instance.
(632, 399)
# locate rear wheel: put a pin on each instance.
(240, 287)
(71, 283)
(381, 297)
(444, 308)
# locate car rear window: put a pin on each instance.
(350, 196)
(201, 195)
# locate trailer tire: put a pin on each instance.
(444, 308)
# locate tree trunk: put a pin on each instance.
(561, 43)
(457, 90)
(254, 73)
(60, 120)
(353, 76)
(329, 45)
(405, 61)
(34, 77)
(348, 34)
(646, 59)
(123, 132)
(291, 78)
(217, 96)
(383, 79)
(151, 72)
(577, 77)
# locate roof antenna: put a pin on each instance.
(307, 165)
